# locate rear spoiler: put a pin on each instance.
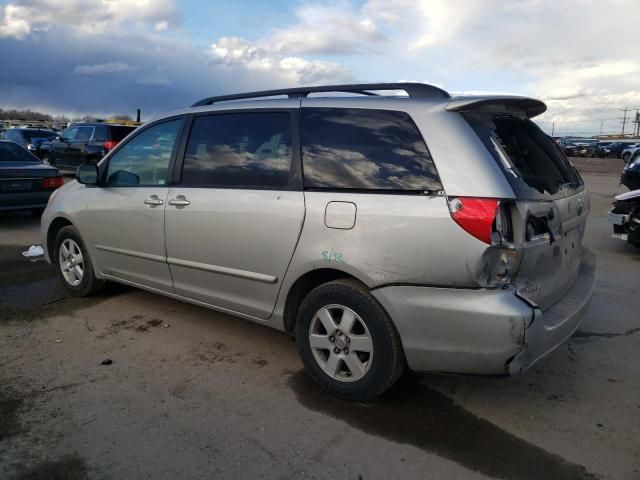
(530, 106)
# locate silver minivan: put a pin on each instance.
(383, 231)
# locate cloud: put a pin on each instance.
(559, 51)
(140, 70)
(21, 18)
(240, 53)
(13, 24)
(102, 68)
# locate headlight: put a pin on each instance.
(31, 147)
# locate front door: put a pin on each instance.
(126, 214)
(233, 221)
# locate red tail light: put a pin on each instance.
(52, 182)
(475, 215)
(109, 144)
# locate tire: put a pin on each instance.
(626, 157)
(81, 285)
(358, 375)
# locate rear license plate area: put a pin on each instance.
(15, 185)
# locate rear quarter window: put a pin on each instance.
(363, 149)
(118, 133)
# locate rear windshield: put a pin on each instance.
(534, 165)
(118, 133)
(12, 152)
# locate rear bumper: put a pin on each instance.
(488, 332)
(551, 328)
(24, 200)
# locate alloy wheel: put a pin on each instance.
(71, 262)
(341, 343)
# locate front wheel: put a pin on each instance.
(74, 266)
(347, 342)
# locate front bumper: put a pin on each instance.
(618, 218)
(488, 332)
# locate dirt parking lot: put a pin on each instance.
(192, 393)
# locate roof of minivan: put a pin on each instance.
(367, 95)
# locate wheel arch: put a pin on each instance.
(303, 285)
(55, 226)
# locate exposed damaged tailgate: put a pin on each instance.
(547, 217)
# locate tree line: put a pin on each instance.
(29, 115)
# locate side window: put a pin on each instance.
(250, 150)
(144, 160)
(366, 150)
(70, 133)
(84, 133)
(101, 133)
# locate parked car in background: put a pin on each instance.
(30, 138)
(602, 150)
(83, 143)
(26, 183)
(349, 222)
(631, 173)
(616, 148)
(628, 151)
(578, 147)
(625, 217)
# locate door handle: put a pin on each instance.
(179, 201)
(153, 201)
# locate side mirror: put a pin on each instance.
(87, 174)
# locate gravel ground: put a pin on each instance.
(192, 393)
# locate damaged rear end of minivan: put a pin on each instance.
(536, 245)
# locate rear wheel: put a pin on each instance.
(347, 341)
(74, 266)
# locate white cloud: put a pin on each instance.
(319, 29)
(102, 68)
(240, 53)
(21, 18)
(13, 24)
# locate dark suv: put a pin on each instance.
(84, 143)
(30, 138)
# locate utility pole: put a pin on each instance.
(553, 128)
(624, 119)
(601, 125)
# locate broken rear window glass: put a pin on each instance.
(529, 157)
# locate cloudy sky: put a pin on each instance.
(112, 56)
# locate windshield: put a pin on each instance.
(12, 152)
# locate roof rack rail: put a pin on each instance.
(414, 90)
